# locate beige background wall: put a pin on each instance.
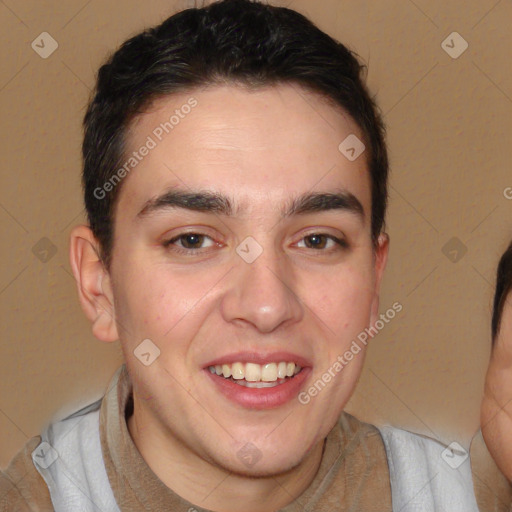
(449, 123)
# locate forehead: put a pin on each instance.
(261, 146)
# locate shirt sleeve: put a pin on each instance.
(22, 488)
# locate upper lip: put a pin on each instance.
(259, 358)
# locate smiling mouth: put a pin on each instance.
(252, 375)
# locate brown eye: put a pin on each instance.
(316, 241)
(191, 241)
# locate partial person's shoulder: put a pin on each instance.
(355, 467)
(22, 488)
(351, 426)
(493, 491)
(425, 472)
(358, 436)
(364, 439)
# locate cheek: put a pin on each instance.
(150, 303)
(343, 301)
(158, 302)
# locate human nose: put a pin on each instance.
(262, 293)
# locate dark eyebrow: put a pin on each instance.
(213, 202)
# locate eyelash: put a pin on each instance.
(342, 244)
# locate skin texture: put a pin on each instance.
(261, 148)
(496, 411)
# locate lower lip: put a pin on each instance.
(260, 398)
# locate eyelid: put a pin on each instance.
(189, 230)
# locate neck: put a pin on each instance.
(211, 486)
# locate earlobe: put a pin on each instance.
(93, 283)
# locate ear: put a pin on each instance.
(380, 259)
(93, 282)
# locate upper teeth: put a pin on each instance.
(253, 372)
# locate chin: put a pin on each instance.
(252, 462)
(266, 469)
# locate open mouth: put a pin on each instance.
(252, 375)
(258, 386)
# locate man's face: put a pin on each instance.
(209, 297)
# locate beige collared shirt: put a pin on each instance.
(353, 473)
